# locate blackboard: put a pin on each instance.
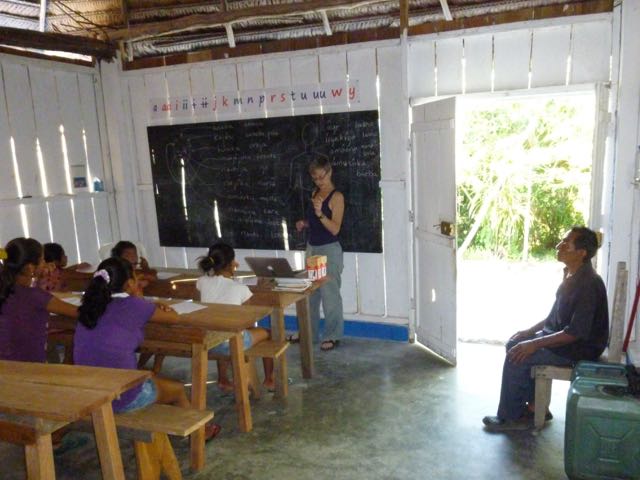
(246, 181)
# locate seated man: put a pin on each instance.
(576, 329)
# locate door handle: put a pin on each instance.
(446, 228)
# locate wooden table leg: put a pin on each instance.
(306, 340)
(104, 428)
(199, 365)
(39, 459)
(278, 334)
(240, 382)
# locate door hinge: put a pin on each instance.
(412, 216)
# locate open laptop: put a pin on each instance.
(273, 267)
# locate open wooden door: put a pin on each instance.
(434, 204)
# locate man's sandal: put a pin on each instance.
(327, 345)
(293, 338)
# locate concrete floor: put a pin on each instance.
(374, 410)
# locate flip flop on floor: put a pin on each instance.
(327, 345)
(293, 338)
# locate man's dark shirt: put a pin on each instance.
(580, 310)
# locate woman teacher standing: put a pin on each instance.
(324, 219)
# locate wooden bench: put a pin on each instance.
(150, 428)
(264, 349)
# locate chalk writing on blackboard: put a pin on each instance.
(246, 181)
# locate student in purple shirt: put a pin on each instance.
(24, 308)
(110, 328)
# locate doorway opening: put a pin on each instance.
(523, 178)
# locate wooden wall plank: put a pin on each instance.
(349, 288)
(89, 109)
(395, 213)
(11, 225)
(362, 68)
(87, 232)
(393, 115)
(590, 52)
(371, 284)
(71, 114)
(103, 216)
(333, 68)
(64, 228)
(421, 69)
(305, 70)
(549, 54)
(8, 186)
(478, 55)
(38, 221)
(23, 128)
(177, 85)
(449, 66)
(48, 120)
(511, 59)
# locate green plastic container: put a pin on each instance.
(602, 428)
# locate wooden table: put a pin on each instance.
(183, 285)
(41, 398)
(193, 336)
(264, 295)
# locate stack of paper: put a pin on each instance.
(292, 284)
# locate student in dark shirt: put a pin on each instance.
(577, 328)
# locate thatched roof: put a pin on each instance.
(144, 28)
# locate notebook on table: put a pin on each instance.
(272, 267)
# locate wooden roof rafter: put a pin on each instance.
(201, 21)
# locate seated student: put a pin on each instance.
(218, 286)
(110, 328)
(577, 328)
(53, 277)
(24, 309)
(128, 251)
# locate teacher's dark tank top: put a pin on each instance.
(318, 234)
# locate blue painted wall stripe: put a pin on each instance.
(353, 328)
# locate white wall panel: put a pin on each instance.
(395, 247)
(8, 188)
(478, 55)
(201, 80)
(549, 54)
(48, 120)
(591, 52)
(305, 70)
(225, 79)
(361, 66)
(250, 76)
(449, 66)
(86, 86)
(87, 233)
(38, 221)
(71, 113)
(150, 236)
(393, 115)
(349, 288)
(11, 225)
(511, 59)
(64, 228)
(371, 283)
(333, 68)
(421, 68)
(103, 217)
(138, 101)
(22, 123)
